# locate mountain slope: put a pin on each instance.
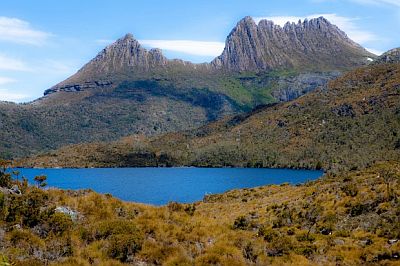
(127, 89)
(350, 124)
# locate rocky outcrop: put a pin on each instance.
(125, 53)
(79, 87)
(290, 88)
(314, 43)
(391, 56)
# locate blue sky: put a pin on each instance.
(43, 42)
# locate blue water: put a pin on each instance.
(160, 185)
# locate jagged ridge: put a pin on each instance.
(314, 43)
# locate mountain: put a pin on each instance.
(350, 124)
(127, 89)
(312, 44)
(391, 56)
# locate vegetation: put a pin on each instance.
(351, 124)
(139, 103)
(351, 219)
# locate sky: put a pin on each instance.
(43, 42)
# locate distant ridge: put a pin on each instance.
(391, 56)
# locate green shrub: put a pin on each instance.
(350, 189)
(105, 229)
(123, 246)
(60, 223)
(241, 222)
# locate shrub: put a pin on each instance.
(267, 234)
(60, 223)
(105, 229)
(174, 206)
(241, 222)
(279, 246)
(5, 178)
(124, 246)
(190, 209)
(350, 189)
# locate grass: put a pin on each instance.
(351, 219)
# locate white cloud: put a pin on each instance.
(20, 31)
(58, 67)
(6, 80)
(379, 2)
(8, 63)
(375, 51)
(6, 95)
(346, 24)
(200, 48)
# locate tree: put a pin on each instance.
(5, 178)
(40, 180)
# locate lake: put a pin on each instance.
(158, 186)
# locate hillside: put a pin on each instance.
(127, 89)
(351, 219)
(352, 123)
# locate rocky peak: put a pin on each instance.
(391, 56)
(124, 54)
(314, 42)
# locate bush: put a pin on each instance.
(350, 190)
(5, 178)
(60, 223)
(106, 229)
(241, 222)
(268, 234)
(123, 246)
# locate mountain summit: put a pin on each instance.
(311, 45)
(315, 44)
(125, 52)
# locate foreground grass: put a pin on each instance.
(350, 219)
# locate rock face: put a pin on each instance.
(125, 53)
(391, 56)
(290, 88)
(314, 43)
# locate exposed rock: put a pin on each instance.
(338, 241)
(311, 43)
(79, 87)
(125, 52)
(290, 88)
(14, 190)
(67, 211)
